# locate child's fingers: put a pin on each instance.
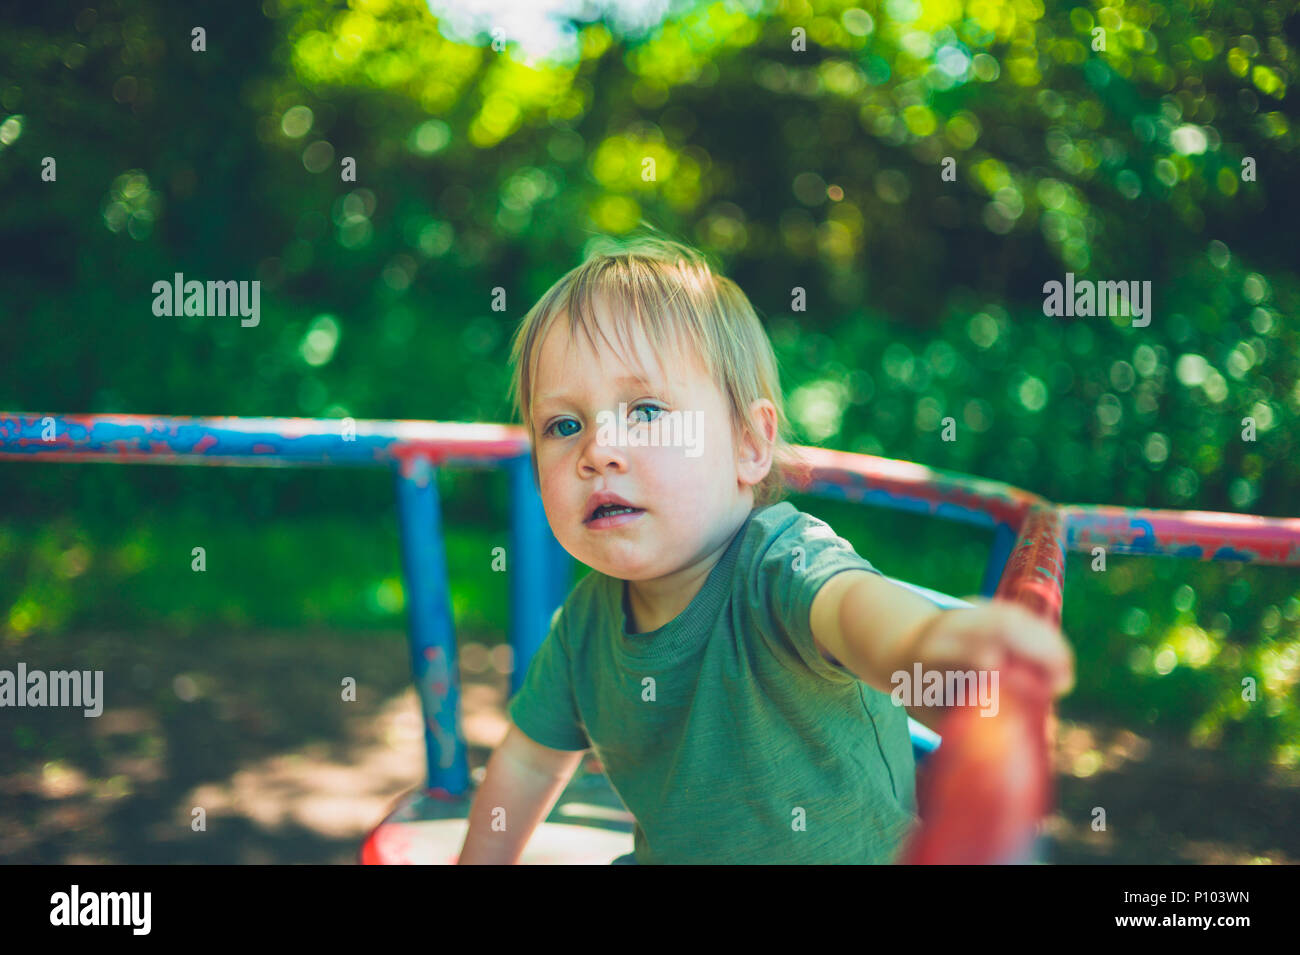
(1046, 646)
(989, 630)
(1035, 637)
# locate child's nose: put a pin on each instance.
(599, 457)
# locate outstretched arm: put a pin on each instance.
(877, 628)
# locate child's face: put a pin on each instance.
(689, 487)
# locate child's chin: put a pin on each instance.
(623, 569)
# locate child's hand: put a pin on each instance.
(982, 636)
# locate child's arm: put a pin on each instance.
(877, 628)
(525, 779)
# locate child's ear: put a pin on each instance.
(754, 457)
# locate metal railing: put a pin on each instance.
(1026, 563)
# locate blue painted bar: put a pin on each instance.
(532, 578)
(433, 639)
(561, 565)
(1004, 538)
(894, 501)
(924, 740)
(252, 441)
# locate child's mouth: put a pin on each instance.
(613, 515)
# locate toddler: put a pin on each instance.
(729, 657)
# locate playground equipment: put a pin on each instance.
(998, 767)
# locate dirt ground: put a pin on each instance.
(251, 729)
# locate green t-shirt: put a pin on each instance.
(725, 732)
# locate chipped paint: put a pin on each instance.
(254, 441)
(903, 485)
(1034, 576)
(1199, 535)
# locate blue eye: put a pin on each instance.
(550, 428)
(648, 407)
(554, 427)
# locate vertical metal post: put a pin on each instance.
(433, 639)
(1035, 579)
(539, 569)
(1004, 538)
(561, 564)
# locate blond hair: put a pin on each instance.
(695, 309)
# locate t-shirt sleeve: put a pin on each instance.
(545, 708)
(790, 570)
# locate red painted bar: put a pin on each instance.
(1199, 535)
(1035, 574)
(986, 788)
(890, 483)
